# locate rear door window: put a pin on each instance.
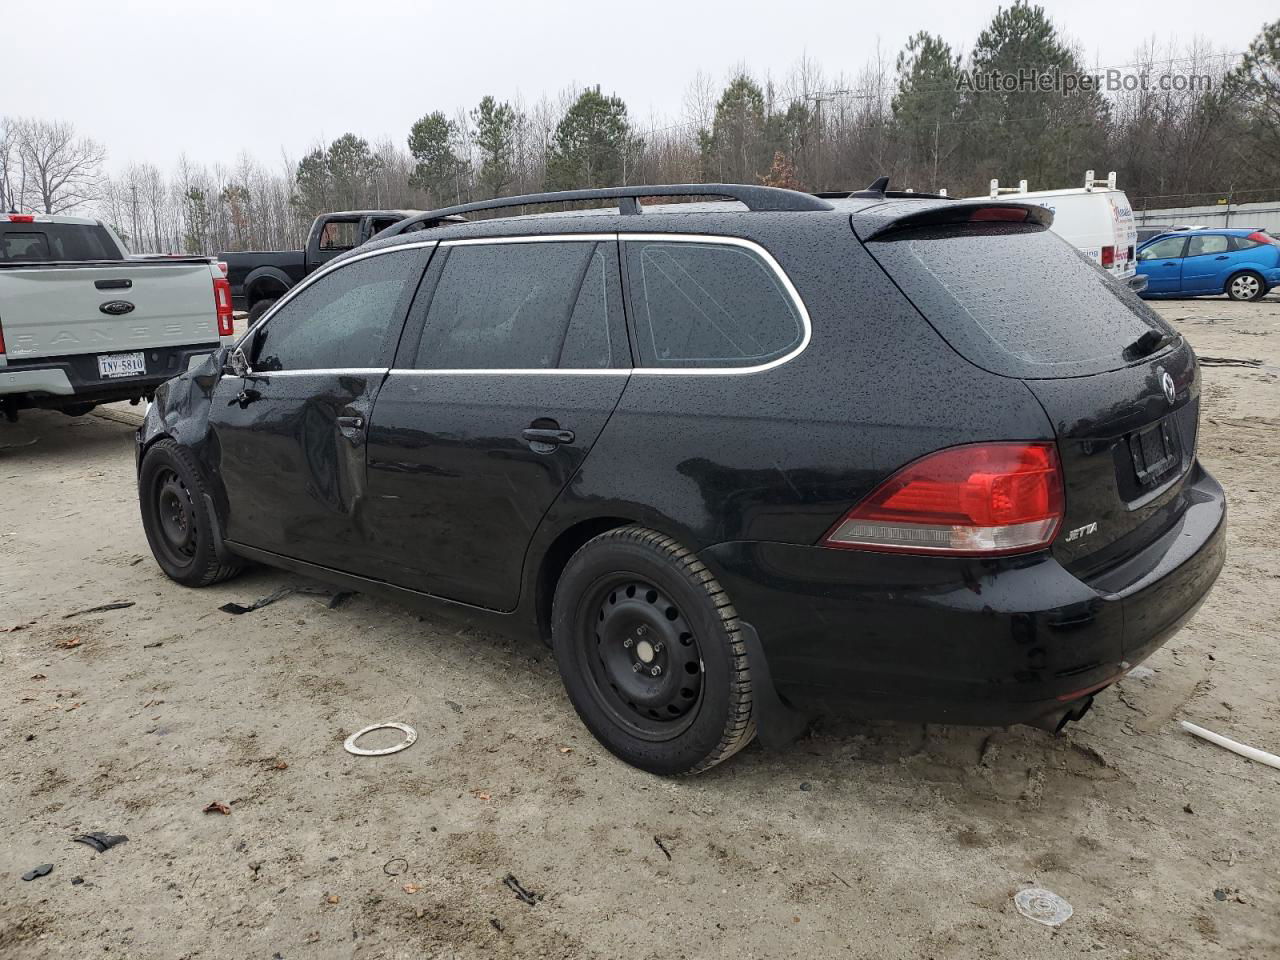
(1213, 243)
(708, 304)
(340, 235)
(525, 306)
(348, 319)
(1016, 299)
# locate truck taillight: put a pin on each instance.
(1, 340)
(222, 304)
(982, 499)
(222, 265)
(1108, 256)
(22, 218)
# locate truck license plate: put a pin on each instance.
(112, 365)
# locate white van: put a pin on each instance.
(1096, 219)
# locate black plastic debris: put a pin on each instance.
(526, 896)
(43, 870)
(662, 846)
(76, 881)
(335, 599)
(101, 608)
(101, 842)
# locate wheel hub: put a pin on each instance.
(173, 504)
(646, 653)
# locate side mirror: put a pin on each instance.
(237, 364)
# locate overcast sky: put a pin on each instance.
(152, 79)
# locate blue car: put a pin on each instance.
(1243, 264)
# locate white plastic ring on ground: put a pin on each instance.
(410, 737)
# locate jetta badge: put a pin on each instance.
(116, 308)
(1170, 391)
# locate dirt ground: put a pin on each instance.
(879, 840)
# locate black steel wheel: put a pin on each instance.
(650, 654)
(645, 661)
(175, 517)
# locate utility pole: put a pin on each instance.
(133, 190)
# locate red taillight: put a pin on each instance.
(1013, 214)
(1261, 236)
(222, 303)
(22, 218)
(1, 340)
(983, 499)
(222, 265)
(1108, 256)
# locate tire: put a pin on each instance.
(631, 601)
(258, 309)
(1246, 285)
(176, 518)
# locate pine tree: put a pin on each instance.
(592, 144)
(496, 125)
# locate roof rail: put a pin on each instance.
(754, 198)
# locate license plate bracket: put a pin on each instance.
(114, 365)
(1154, 452)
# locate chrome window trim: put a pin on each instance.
(765, 256)
(796, 301)
(320, 372)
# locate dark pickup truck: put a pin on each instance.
(260, 277)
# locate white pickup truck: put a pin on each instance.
(82, 322)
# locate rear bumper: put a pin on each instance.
(1137, 283)
(61, 381)
(964, 641)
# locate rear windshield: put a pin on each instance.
(38, 242)
(1016, 299)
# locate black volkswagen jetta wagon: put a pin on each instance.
(741, 460)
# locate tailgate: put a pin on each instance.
(63, 309)
(1127, 439)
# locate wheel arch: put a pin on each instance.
(555, 557)
(262, 284)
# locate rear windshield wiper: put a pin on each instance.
(1147, 344)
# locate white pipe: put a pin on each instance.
(1253, 753)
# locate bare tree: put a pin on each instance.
(62, 171)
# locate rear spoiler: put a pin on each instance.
(885, 218)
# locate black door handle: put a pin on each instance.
(553, 437)
(1223, 257)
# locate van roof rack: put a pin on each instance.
(752, 197)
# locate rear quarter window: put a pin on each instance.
(711, 304)
(1016, 299)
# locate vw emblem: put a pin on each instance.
(1170, 391)
(116, 308)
